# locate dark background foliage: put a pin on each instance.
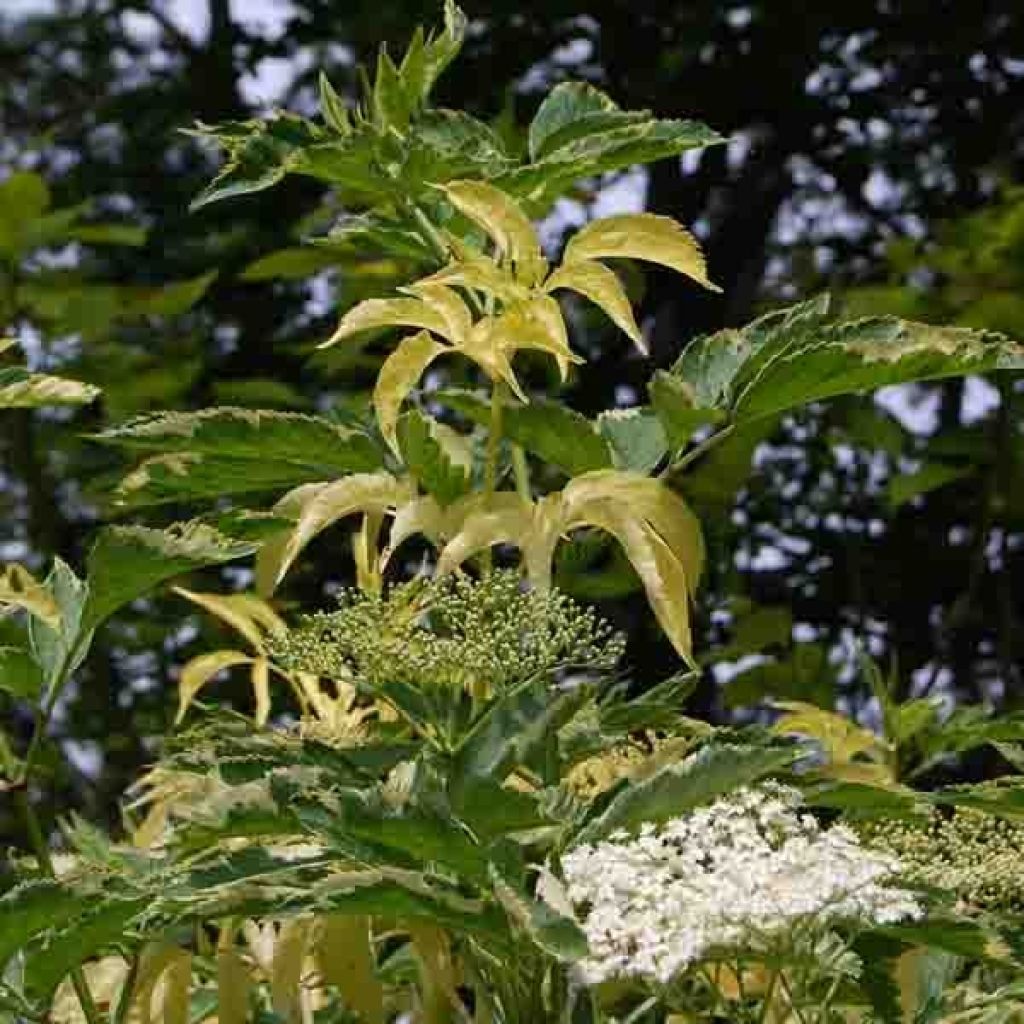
(874, 150)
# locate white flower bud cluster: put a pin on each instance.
(738, 877)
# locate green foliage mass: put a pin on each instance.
(383, 838)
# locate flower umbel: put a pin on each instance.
(737, 878)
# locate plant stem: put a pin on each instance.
(430, 233)
(522, 473)
(494, 438)
(685, 461)
(769, 995)
(36, 837)
(42, 851)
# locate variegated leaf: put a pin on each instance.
(502, 218)
(601, 286)
(641, 236)
(398, 376)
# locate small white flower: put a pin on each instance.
(736, 875)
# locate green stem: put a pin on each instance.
(522, 473)
(493, 451)
(494, 432)
(430, 233)
(790, 999)
(769, 995)
(42, 851)
(699, 450)
(36, 837)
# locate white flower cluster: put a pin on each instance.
(741, 875)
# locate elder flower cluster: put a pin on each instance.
(742, 876)
(974, 855)
(455, 631)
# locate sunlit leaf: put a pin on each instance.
(344, 954)
(314, 507)
(640, 236)
(602, 286)
(503, 220)
(373, 314)
(397, 378)
(19, 589)
(200, 670)
(20, 389)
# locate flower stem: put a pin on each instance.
(697, 452)
(494, 431)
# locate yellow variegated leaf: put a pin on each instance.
(491, 357)
(344, 956)
(365, 553)
(290, 951)
(174, 990)
(377, 313)
(458, 448)
(602, 286)
(500, 216)
(448, 304)
(502, 518)
(664, 578)
(247, 614)
(234, 982)
(538, 546)
(648, 499)
(423, 515)
(289, 506)
(7, 343)
(317, 506)
(105, 978)
(841, 739)
(199, 671)
(641, 236)
(154, 959)
(480, 273)
(398, 376)
(20, 589)
(261, 689)
(438, 975)
(544, 329)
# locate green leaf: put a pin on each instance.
(333, 107)
(20, 389)
(172, 299)
(579, 132)
(24, 197)
(102, 924)
(59, 648)
(511, 728)
(550, 430)
(636, 436)
(800, 354)
(930, 477)
(32, 907)
(259, 154)
(439, 461)
(108, 234)
(703, 777)
(224, 451)
(674, 403)
(559, 936)
(127, 562)
(806, 675)
(19, 673)
(571, 111)
(291, 264)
